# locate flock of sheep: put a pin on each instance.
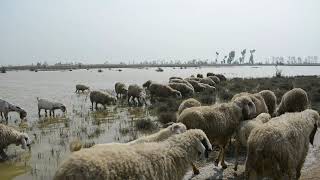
(276, 137)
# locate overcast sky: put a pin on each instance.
(95, 31)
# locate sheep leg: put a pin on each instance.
(216, 162)
(223, 164)
(50, 113)
(1, 115)
(195, 169)
(45, 113)
(3, 155)
(129, 100)
(6, 116)
(92, 106)
(53, 113)
(39, 112)
(96, 106)
(236, 154)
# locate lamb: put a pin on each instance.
(257, 99)
(161, 90)
(121, 89)
(208, 81)
(136, 92)
(51, 106)
(215, 79)
(219, 121)
(184, 89)
(278, 148)
(244, 130)
(169, 159)
(9, 135)
(295, 100)
(181, 81)
(81, 87)
(270, 99)
(6, 107)
(104, 99)
(187, 104)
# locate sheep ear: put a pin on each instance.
(312, 134)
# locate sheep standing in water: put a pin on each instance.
(6, 107)
(49, 105)
(121, 89)
(136, 92)
(164, 91)
(9, 135)
(104, 99)
(82, 88)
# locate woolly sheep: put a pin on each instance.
(9, 135)
(295, 100)
(257, 99)
(219, 121)
(215, 79)
(49, 105)
(208, 81)
(102, 98)
(161, 90)
(220, 76)
(244, 130)
(81, 87)
(181, 81)
(193, 78)
(278, 148)
(136, 92)
(184, 89)
(121, 89)
(187, 104)
(6, 107)
(199, 76)
(169, 159)
(270, 99)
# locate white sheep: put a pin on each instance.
(258, 100)
(191, 102)
(219, 121)
(278, 148)
(49, 105)
(9, 135)
(244, 130)
(169, 159)
(184, 89)
(6, 107)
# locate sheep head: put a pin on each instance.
(177, 94)
(24, 140)
(203, 144)
(248, 107)
(177, 128)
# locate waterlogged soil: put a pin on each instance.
(118, 123)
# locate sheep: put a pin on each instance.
(208, 81)
(174, 77)
(210, 74)
(219, 121)
(187, 104)
(181, 81)
(9, 135)
(121, 89)
(220, 76)
(193, 78)
(48, 105)
(244, 130)
(104, 99)
(81, 87)
(257, 99)
(215, 79)
(270, 100)
(200, 87)
(6, 107)
(161, 90)
(278, 148)
(169, 159)
(295, 100)
(184, 89)
(136, 92)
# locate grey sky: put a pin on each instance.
(117, 30)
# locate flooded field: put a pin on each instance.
(118, 123)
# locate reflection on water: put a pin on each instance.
(52, 136)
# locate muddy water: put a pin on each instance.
(51, 136)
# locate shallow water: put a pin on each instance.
(52, 135)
